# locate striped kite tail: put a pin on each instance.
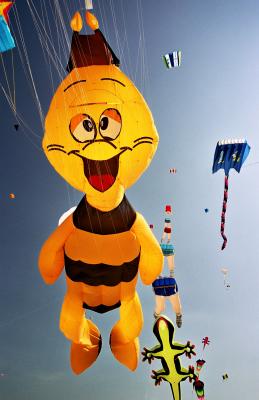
(224, 209)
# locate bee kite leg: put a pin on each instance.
(124, 340)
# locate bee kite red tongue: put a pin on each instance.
(101, 174)
(101, 182)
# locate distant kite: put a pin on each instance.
(173, 59)
(197, 384)
(172, 170)
(225, 273)
(230, 153)
(224, 377)
(12, 196)
(6, 39)
(206, 210)
(205, 341)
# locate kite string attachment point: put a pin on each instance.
(224, 209)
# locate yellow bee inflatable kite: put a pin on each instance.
(100, 137)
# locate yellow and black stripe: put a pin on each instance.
(107, 226)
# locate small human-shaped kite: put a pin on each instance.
(169, 352)
(166, 286)
(205, 342)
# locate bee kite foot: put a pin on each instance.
(126, 353)
(83, 356)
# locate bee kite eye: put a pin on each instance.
(110, 124)
(82, 128)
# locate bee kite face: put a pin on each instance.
(100, 135)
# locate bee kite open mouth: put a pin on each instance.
(101, 174)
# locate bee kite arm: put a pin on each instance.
(151, 256)
(51, 258)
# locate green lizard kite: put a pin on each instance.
(168, 352)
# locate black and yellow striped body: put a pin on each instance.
(102, 255)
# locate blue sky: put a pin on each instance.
(214, 95)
